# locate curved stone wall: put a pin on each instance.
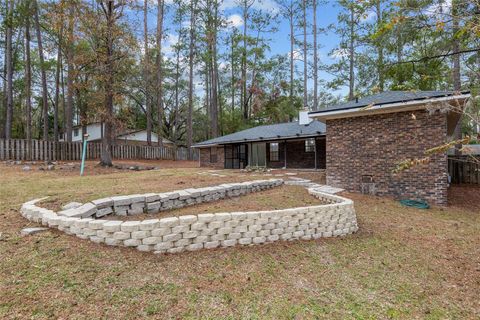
(203, 231)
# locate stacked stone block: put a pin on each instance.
(210, 230)
(155, 202)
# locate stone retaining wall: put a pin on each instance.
(155, 202)
(211, 230)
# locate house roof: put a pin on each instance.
(280, 131)
(387, 97)
(389, 101)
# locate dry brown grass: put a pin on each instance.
(403, 263)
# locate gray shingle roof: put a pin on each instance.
(278, 131)
(387, 97)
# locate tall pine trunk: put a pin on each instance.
(315, 58)
(70, 76)
(292, 46)
(351, 53)
(107, 140)
(160, 15)
(380, 62)
(244, 100)
(457, 85)
(43, 73)
(57, 77)
(190, 79)
(9, 73)
(305, 57)
(28, 83)
(148, 105)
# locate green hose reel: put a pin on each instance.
(415, 204)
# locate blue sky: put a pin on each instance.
(280, 43)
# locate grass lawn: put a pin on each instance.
(403, 263)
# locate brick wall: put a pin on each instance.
(296, 155)
(372, 145)
(206, 157)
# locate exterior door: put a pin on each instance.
(257, 154)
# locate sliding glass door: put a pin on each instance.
(257, 154)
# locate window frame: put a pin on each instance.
(274, 155)
(213, 155)
(310, 145)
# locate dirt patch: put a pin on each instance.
(404, 263)
(282, 197)
(465, 196)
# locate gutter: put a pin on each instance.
(260, 140)
(383, 108)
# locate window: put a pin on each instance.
(310, 145)
(75, 132)
(213, 155)
(274, 151)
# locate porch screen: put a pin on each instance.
(258, 154)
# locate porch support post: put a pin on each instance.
(285, 153)
(315, 147)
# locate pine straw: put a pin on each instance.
(403, 263)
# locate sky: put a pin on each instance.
(280, 41)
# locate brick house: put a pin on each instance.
(369, 136)
(286, 145)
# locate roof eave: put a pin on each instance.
(259, 140)
(385, 108)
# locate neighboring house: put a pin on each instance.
(285, 145)
(368, 137)
(95, 134)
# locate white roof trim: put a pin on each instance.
(384, 108)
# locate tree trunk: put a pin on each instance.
(9, 73)
(28, 83)
(457, 85)
(57, 77)
(42, 72)
(190, 79)
(351, 78)
(70, 76)
(292, 45)
(106, 156)
(315, 58)
(148, 105)
(305, 57)
(214, 73)
(380, 71)
(176, 122)
(232, 62)
(160, 15)
(244, 61)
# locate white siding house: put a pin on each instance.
(95, 133)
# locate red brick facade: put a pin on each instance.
(369, 147)
(212, 157)
(297, 156)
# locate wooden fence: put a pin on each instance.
(464, 169)
(40, 150)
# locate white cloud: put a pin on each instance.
(369, 16)
(438, 8)
(263, 5)
(339, 53)
(235, 20)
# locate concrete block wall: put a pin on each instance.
(156, 202)
(210, 230)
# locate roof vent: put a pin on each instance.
(356, 99)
